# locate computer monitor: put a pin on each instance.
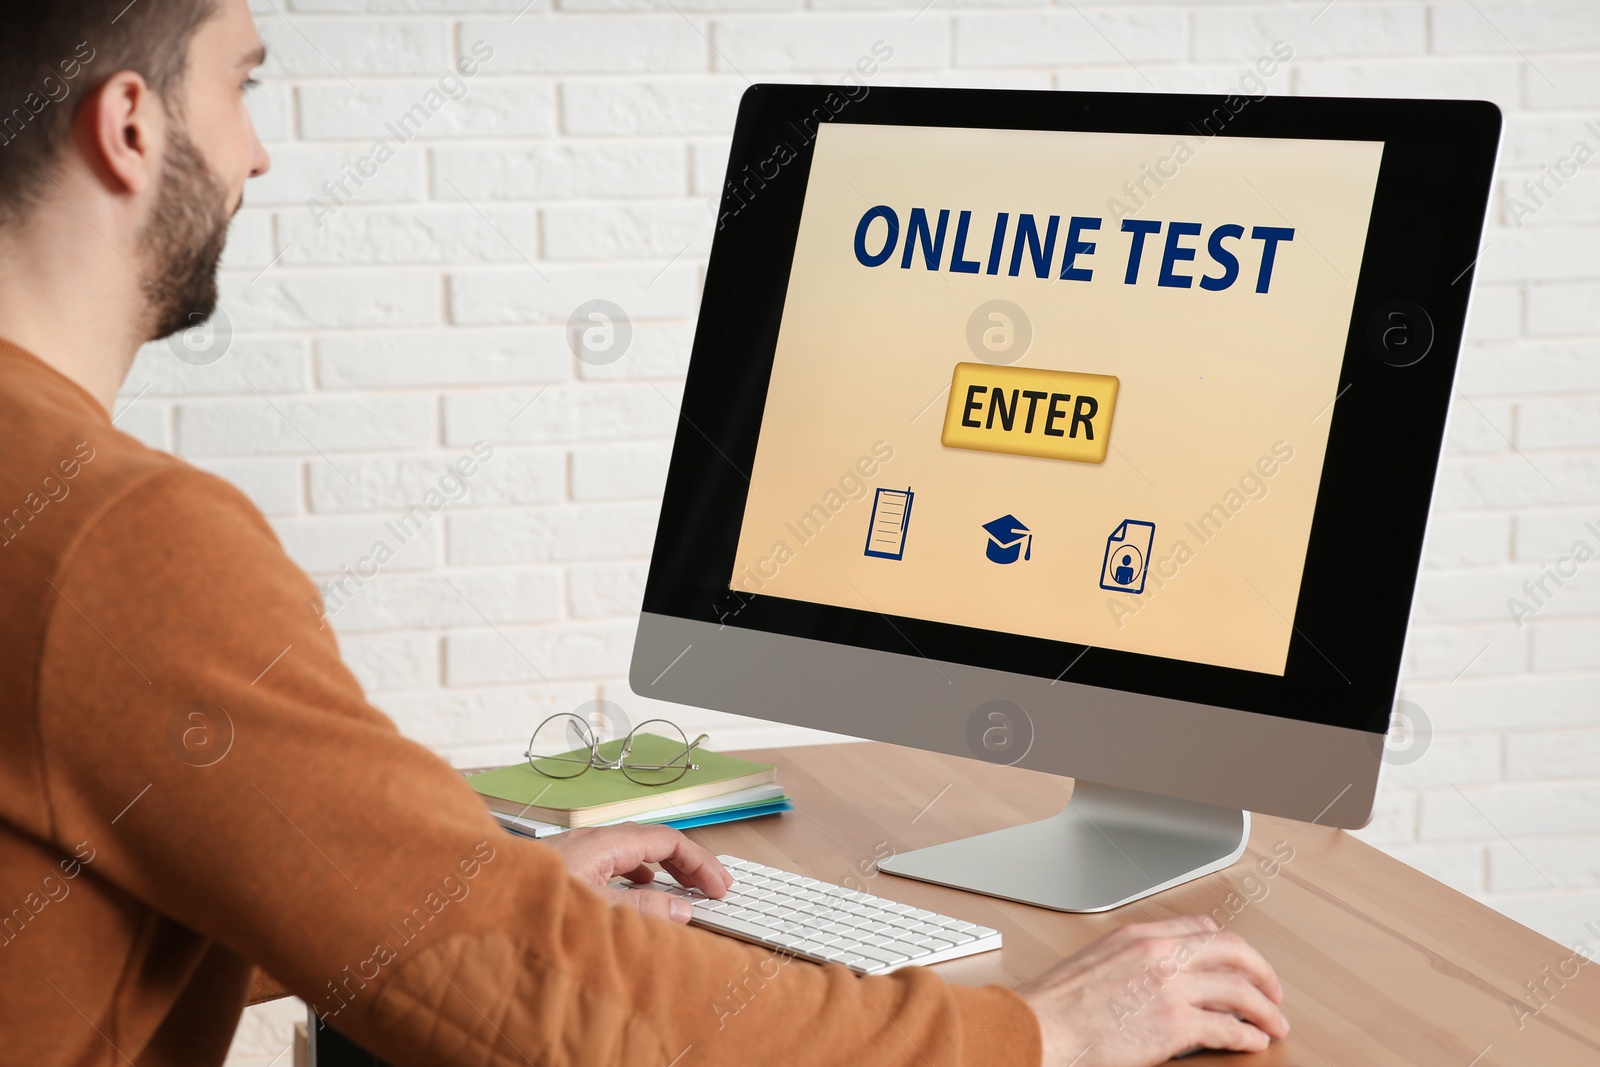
(1087, 432)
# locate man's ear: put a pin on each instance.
(121, 129)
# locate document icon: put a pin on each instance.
(891, 515)
(1127, 556)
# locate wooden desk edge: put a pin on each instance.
(264, 988)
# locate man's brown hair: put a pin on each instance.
(53, 53)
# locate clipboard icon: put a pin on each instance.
(1127, 559)
(891, 517)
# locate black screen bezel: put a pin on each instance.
(1384, 442)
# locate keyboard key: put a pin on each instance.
(907, 948)
(741, 928)
(886, 957)
(924, 942)
(761, 904)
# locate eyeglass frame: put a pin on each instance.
(598, 762)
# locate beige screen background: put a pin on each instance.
(1220, 427)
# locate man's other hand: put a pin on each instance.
(1146, 992)
(600, 853)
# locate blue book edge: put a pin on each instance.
(688, 822)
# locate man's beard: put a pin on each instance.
(183, 240)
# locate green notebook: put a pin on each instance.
(597, 795)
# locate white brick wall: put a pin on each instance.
(584, 161)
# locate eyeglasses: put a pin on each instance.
(556, 733)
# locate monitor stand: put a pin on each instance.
(1108, 847)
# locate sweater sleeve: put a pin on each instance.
(202, 734)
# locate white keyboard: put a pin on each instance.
(828, 923)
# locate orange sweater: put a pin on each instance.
(191, 782)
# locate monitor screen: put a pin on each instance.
(1067, 385)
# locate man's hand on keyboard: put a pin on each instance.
(600, 853)
(1146, 992)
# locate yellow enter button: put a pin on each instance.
(1052, 414)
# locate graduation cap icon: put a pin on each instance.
(1008, 540)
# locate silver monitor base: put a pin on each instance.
(1108, 847)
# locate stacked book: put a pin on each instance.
(721, 789)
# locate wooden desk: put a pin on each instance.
(1380, 965)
